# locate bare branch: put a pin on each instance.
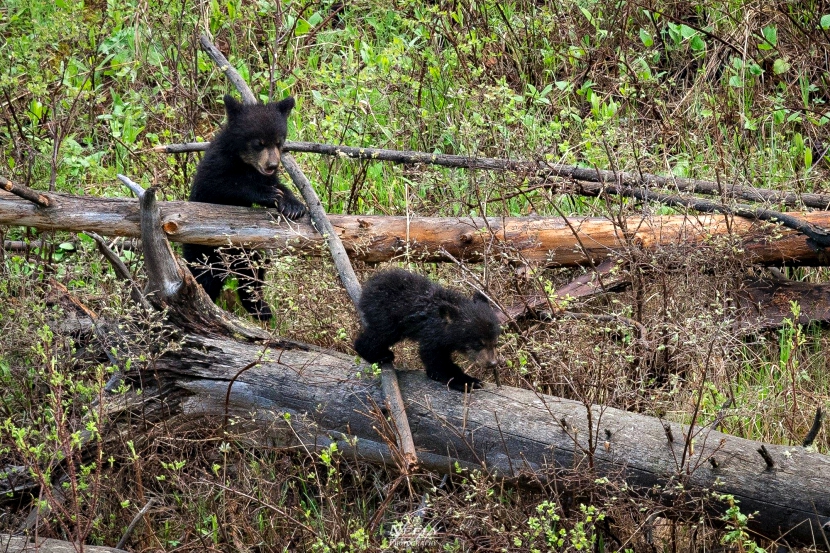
(120, 269)
(546, 171)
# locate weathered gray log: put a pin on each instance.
(544, 240)
(19, 544)
(508, 430)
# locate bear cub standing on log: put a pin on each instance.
(240, 168)
(397, 304)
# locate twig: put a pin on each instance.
(224, 65)
(543, 170)
(120, 269)
(389, 379)
(136, 188)
(24, 192)
(811, 435)
(134, 523)
(767, 457)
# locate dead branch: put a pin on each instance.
(545, 170)
(24, 192)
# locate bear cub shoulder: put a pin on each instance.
(397, 305)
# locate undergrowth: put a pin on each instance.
(730, 91)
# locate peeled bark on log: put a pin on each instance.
(370, 238)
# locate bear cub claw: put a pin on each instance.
(291, 207)
(397, 305)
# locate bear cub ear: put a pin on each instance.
(478, 297)
(232, 107)
(284, 106)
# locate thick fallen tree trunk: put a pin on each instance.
(508, 430)
(550, 240)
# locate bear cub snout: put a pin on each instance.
(397, 305)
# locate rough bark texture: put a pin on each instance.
(765, 303)
(509, 430)
(547, 240)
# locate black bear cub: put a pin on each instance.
(240, 168)
(397, 304)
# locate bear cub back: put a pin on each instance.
(397, 305)
(240, 168)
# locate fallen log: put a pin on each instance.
(510, 431)
(543, 240)
(15, 544)
(766, 303)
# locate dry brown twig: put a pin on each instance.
(544, 171)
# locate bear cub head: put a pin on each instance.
(257, 132)
(473, 329)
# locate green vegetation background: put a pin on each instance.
(723, 90)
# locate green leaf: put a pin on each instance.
(778, 116)
(780, 66)
(770, 34)
(67, 246)
(587, 15)
(755, 69)
(697, 44)
(648, 42)
(825, 21)
(808, 157)
(736, 82)
(686, 31)
(302, 28)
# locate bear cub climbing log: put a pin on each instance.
(240, 168)
(397, 305)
